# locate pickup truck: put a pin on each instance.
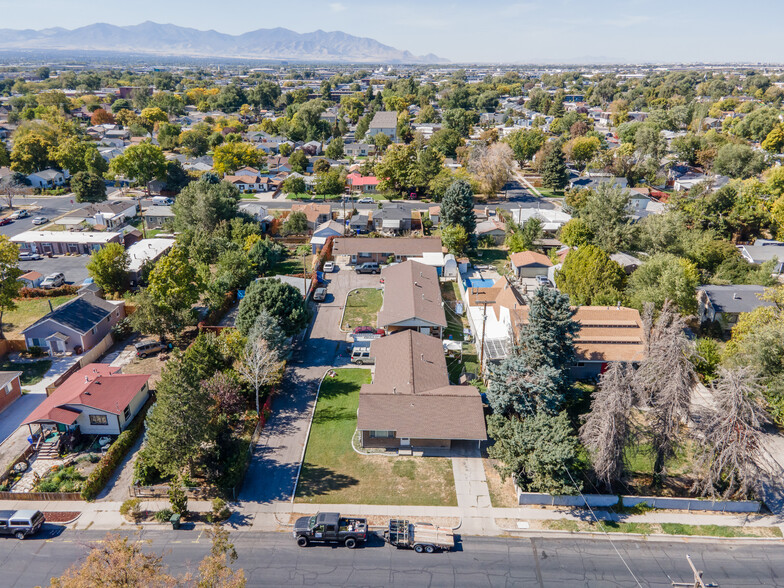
(421, 537)
(330, 527)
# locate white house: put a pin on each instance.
(48, 178)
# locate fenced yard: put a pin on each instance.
(362, 306)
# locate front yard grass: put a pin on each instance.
(660, 528)
(362, 306)
(333, 473)
(29, 310)
(32, 372)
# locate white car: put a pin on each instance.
(329, 267)
(19, 214)
(29, 256)
(366, 200)
(40, 220)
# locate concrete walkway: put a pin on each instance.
(473, 495)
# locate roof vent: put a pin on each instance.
(422, 356)
(394, 389)
(87, 379)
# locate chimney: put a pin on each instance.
(394, 389)
(422, 356)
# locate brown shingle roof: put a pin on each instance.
(312, 211)
(411, 290)
(396, 245)
(526, 258)
(408, 362)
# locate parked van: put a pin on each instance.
(360, 355)
(146, 348)
(162, 201)
(20, 523)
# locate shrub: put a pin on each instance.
(132, 508)
(46, 293)
(220, 510)
(178, 498)
(164, 515)
(61, 480)
(36, 351)
(109, 462)
(122, 330)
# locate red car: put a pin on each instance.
(374, 331)
(5, 221)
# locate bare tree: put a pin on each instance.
(260, 365)
(492, 165)
(607, 428)
(11, 187)
(729, 452)
(664, 383)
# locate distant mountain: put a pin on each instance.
(169, 40)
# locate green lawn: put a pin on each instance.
(450, 292)
(333, 473)
(470, 361)
(549, 193)
(29, 310)
(362, 306)
(498, 258)
(32, 372)
(248, 197)
(297, 196)
(291, 265)
(661, 528)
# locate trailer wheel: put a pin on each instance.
(419, 548)
(429, 548)
(302, 541)
(351, 543)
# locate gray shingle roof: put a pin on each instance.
(384, 120)
(82, 313)
(735, 299)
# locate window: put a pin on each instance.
(127, 413)
(382, 434)
(364, 254)
(99, 419)
(7, 388)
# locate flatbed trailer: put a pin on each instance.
(421, 537)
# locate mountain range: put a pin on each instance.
(172, 40)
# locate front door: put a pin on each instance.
(405, 442)
(57, 346)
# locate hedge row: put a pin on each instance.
(45, 293)
(116, 453)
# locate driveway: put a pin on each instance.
(74, 267)
(49, 206)
(275, 462)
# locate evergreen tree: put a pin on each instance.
(554, 169)
(547, 339)
(282, 301)
(517, 388)
(457, 208)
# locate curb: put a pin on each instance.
(633, 536)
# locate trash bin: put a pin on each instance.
(175, 521)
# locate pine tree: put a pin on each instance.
(548, 336)
(457, 208)
(554, 169)
(517, 388)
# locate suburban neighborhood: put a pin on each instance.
(480, 311)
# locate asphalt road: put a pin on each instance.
(273, 559)
(51, 207)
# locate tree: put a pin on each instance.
(5, 155)
(9, 274)
(169, 136)
(101, 117)
(665, 277)
(575, 233)
(774, 142)
(548, 336)
(460, 120)
(664, 382)
(260, 366)
(294, 185)
(152, 115)
(525, 143)
(583, 149)
(13, 185)
(554, 169)
(296, 224)
(607, 217)
(230, 157)
(335, 148)
(539, 452)
(607, 428)
(74, 154)
(329, 182)
(174, 281)
(285, 149)
(281, 300)
(43, 73)
(589, 276)
(457, 208)
(523, 238)
(298, 161)
(88, 187)
(396, 169)
(108, 266)
(267, 328)
(518, 388)
(225, 392)
(121, 104)
(203, 204)
(142, 163)
(455, 239)
(30, 153)
(446, 142)
(492, 165)
(738, 161)
(95, 163)
(265, 253)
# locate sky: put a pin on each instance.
(532, 31)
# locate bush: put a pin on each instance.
(164, 515)
(178, 498)
(36, 351)
(220, 511)
(132, 508)
(46, 293)
(122, 330)
(109, 462)
(61, 480)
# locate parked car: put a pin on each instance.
(320, 295)
(366, 200)
(543, 281)
(162, 201)
(146, 348)
(370, 267)
(29, 256)
(329, 267)
(19, 214)
(40, 220)
(53, 280)
(371, 330)
(21, 523)
(329, 527)
(5, 221)
(360, 355)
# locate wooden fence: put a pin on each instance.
(29, 450)
(162, 491)
(40, 496)
(9, 345)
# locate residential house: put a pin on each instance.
(412, 299)
(76, 326)
(31, 279)
(594, 180)
(246, 182)
(356, 250)
(628, 262)
(110, 214)
(763, 250)
(393, 218)
(493, 229)
(146, 251)
(278, 164)
(359, 184)
(384, 122)
(552, 220)
(358, 150)
(47, 179)
(411, 406)
(96, 400)
(62, 242)
(258, 211)
(312, 148)
(323, 232)
(360, 222)
(317, 214)
(529, 264)
(10, 389)
(156, 216)
(724, 304)
(434, 213)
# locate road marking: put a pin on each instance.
(199, 537)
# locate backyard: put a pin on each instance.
(467, 359)
(495, 257)
(292, 265)
(362, 306)
(333, 473)
(32, 371)
(29, 310)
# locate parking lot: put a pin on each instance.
(73, 266)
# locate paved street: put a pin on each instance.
(273, 559)
(50, 207)
(273, 470)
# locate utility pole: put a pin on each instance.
(482, 343)
(697, 583)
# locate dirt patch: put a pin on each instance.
(61, 516)
(383, 520)
(150, 365)
(502, 492)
